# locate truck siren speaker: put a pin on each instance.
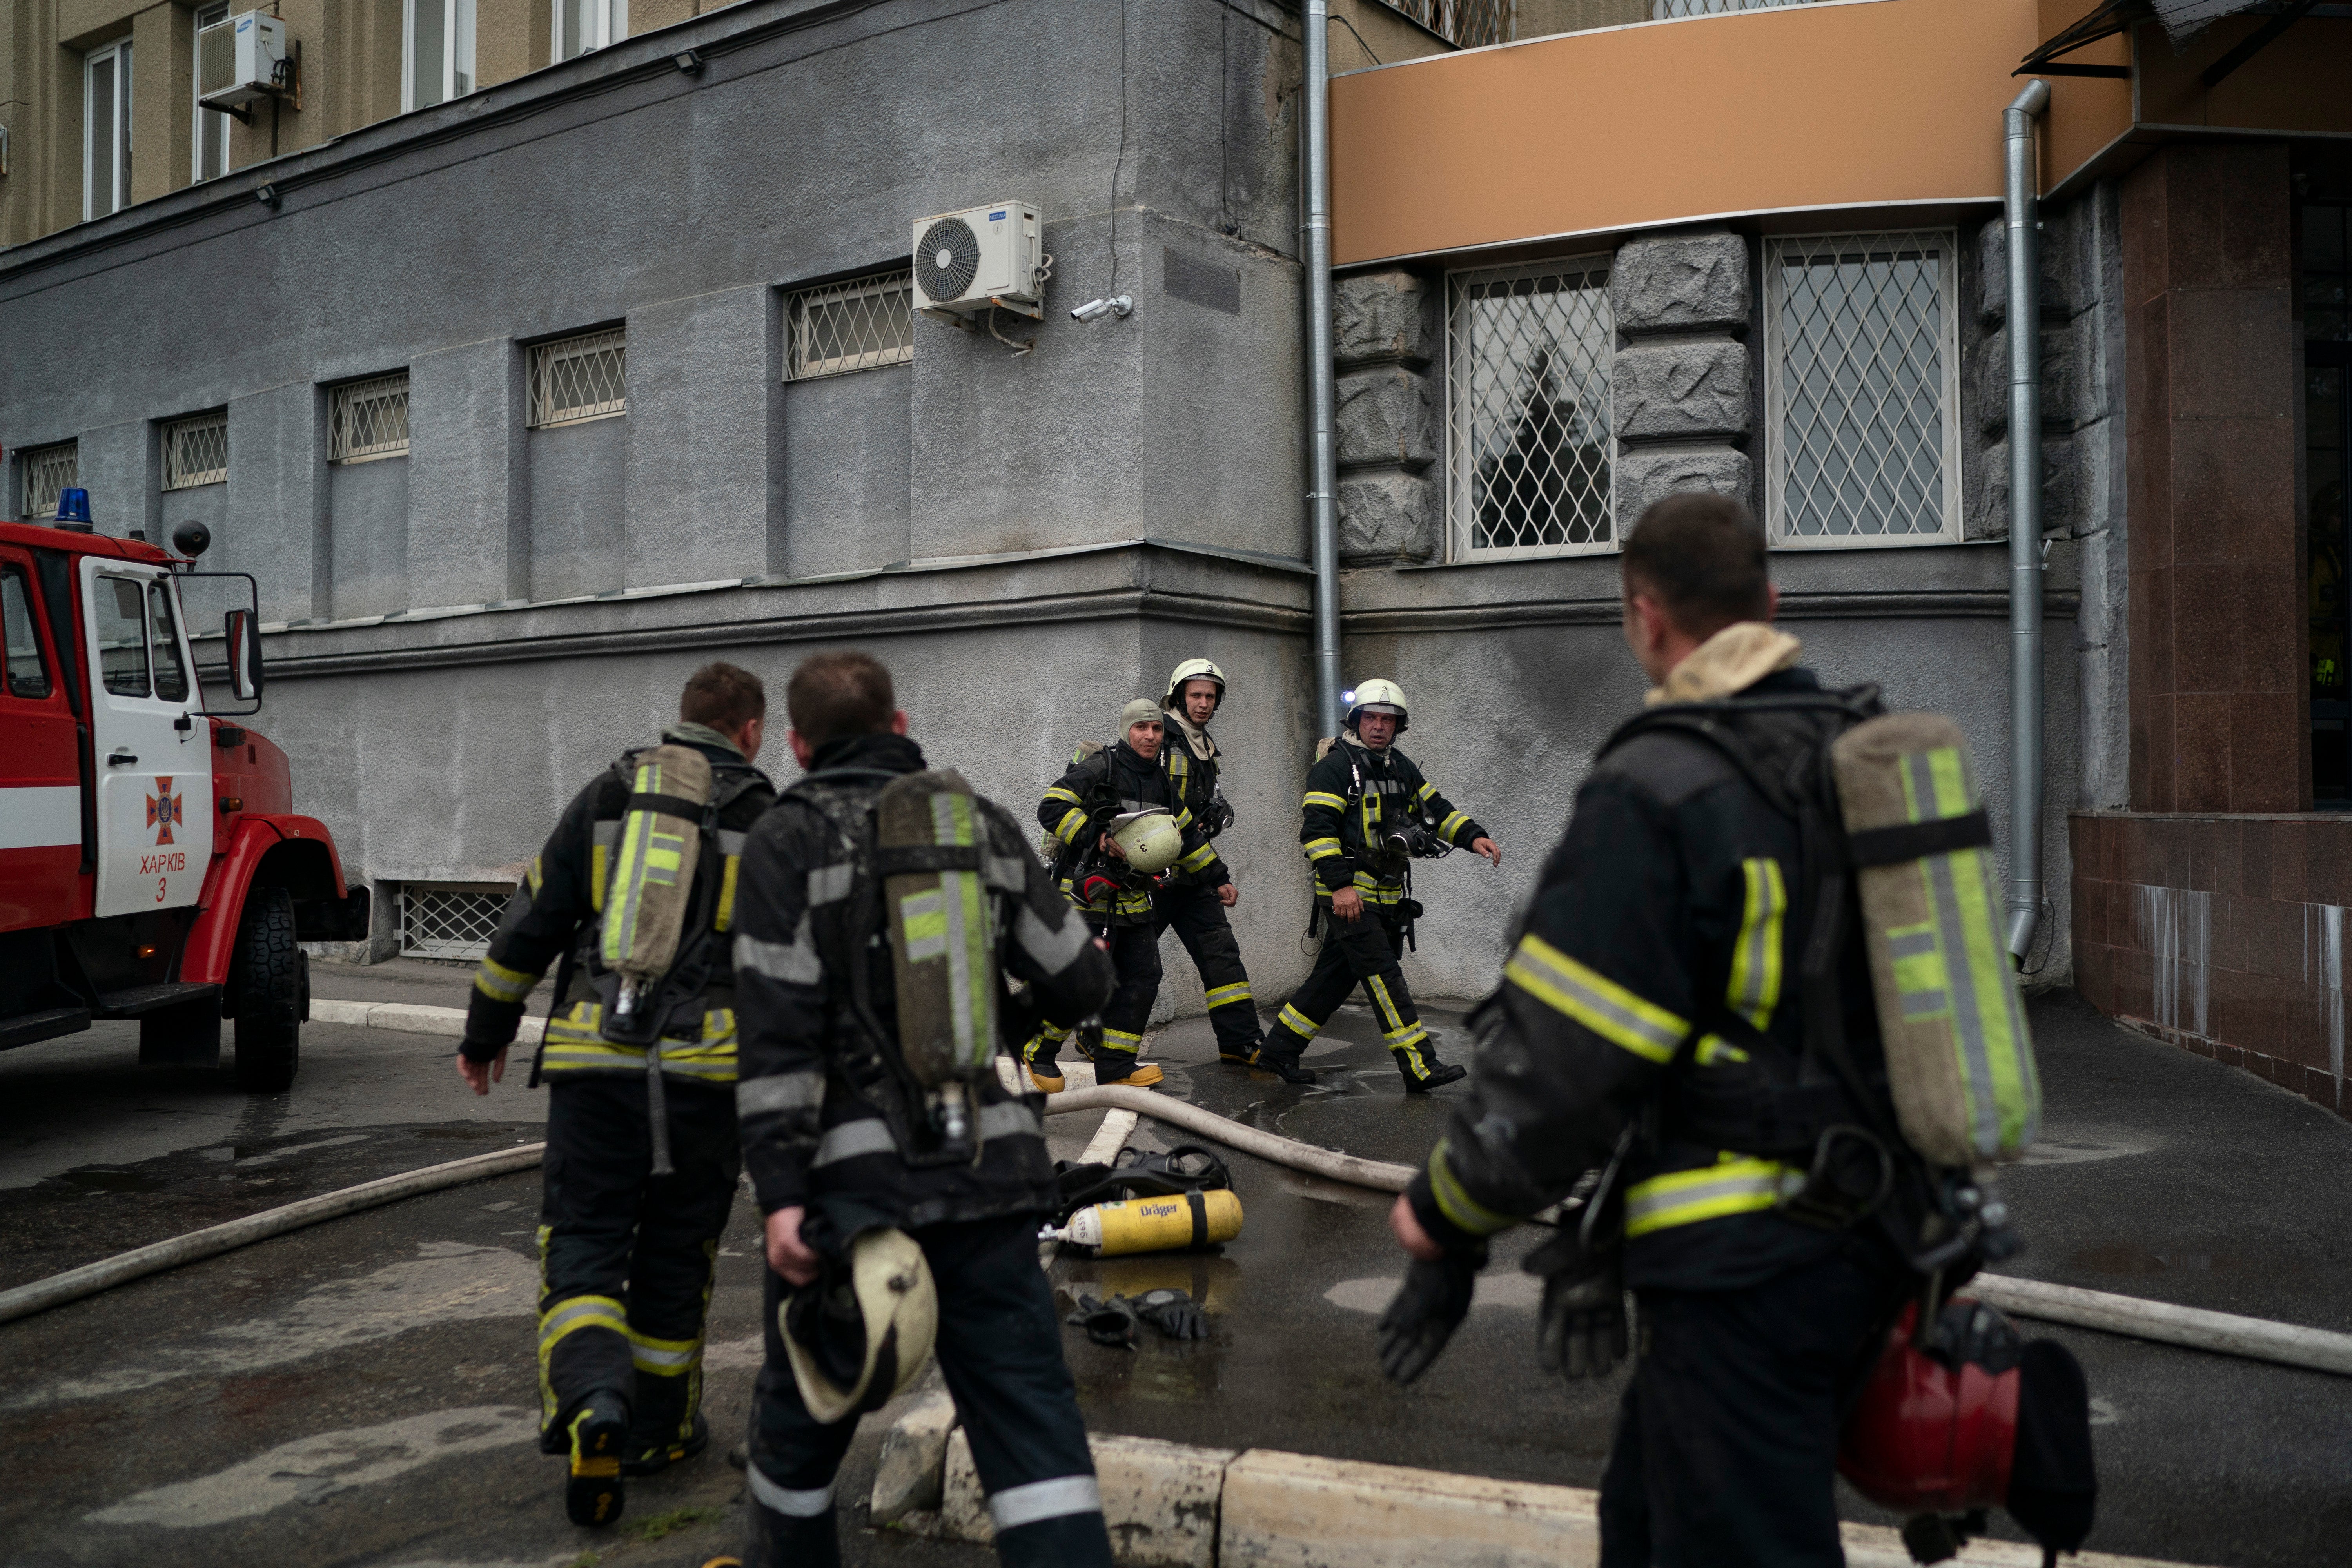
(947, 258)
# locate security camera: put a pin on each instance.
(1096, 309)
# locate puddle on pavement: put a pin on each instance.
(106, 1180)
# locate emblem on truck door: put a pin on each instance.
(164, 808)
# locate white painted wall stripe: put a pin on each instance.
(40, 817)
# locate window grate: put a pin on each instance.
(579, 378)
(450, 920)
(851, 326)
(1528, 352)
(1666, 10)
(370, 419)
(1465, 23)
(1861, 379)
(48, 471)
(195, 451)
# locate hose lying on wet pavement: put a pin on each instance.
(2318, 1349)
(124, 1267)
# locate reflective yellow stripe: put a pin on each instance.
(726, 894)
(1059, 792)
(1454, 1202)
(1066, 830)
(532, 877)
(1755, 987)
(1453, 825)
(1423, 792)
(1199, 859)
(597, 856)
(1714, 1051)
(1593, 1000)
(1733, 1185)
(1320, 798)
(1388, 1006)
(499, 984)
(576, 1312)
(1238, 991)
(1321, 848)
(665, 1358)
(1297, 1023)
(1120, 1040)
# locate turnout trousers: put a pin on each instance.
(1135, 959)
(624, 1256)
(1726, 1441)
(1000, 1347)
(1197, 918)
(1364, 952)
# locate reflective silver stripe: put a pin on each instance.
(1007, 871)
(783, 1500)
(784, 1091)
(731, 842)
(580, 1312)
(854, 1140)
(796, 962)
(827, 883)
(1055, 947)
(1007, 1118)
(1041, 1501)
(647, 1356)
(606, 832)
(1911, 944)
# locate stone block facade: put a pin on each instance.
(1386, 328)
(1683, 404)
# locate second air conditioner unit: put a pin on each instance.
(237, 60)
(966, 262)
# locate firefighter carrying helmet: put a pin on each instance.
(1149, 838)
(1379, 696)
(861, 1332)
(1193, 670)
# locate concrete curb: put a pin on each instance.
(1168, 1505)
(409, 1018)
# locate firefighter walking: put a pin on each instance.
(639, 1058)
(1367, 815)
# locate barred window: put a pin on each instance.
(579, 378)
(856, 325)
(1528, 446)
(450, 920)
(369, 419)
(1465, 23)
(1861, 381)
(46, 470)
(195, 450)
(1665, 10)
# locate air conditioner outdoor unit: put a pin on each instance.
(238, 59)
(966, 262)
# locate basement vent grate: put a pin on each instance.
(450, 920)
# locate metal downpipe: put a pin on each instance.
(1322, 491)
(2021, 202)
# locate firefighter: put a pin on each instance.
(1189, 903)
(1114, 815)
(1367, 815)
(1652, 1025)
(839, 1139)
(639, 1171)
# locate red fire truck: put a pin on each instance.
(151, 864)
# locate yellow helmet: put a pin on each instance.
(1379, 696)
(1150, 838)
(1193, 670)
(860, 1336)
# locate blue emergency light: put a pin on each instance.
(73, 505)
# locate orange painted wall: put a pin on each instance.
(1837, 105)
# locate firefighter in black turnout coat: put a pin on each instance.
(834, 1137)
(626, 1247)
(1650, 1021)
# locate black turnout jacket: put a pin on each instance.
(1351, 795)
(812, 1131)
(1101, 784)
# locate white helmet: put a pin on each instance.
(1379, 696)
(1150, 838)
(1193, 670)
(860, 1336)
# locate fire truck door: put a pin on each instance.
(154, 765)
(40, 772)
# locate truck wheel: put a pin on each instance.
(268, 984)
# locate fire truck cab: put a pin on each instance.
(151, 864)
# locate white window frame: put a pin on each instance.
(178, 435)
(456, 74)
(31, 460)
(607, 23)
(205, 119)
(544, 356)
(345, 401)
(1459, 470)
(117, 134)
(800, 366)
(1776, 443)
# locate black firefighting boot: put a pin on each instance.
(650, 1452)
(1287, 1068)
(1416, 1059)
(600, 1431)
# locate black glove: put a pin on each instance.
(1581, 1331)
(1429, 1306)
(1173, 1313)
(1111, 1322)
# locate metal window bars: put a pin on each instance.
(1666, 10)
(1529, 450)
(579, 378)
(1862, 389)
(450, 920)
(369, 419)
(195, 451)
(857, 325)
(1465, 23)
(46, 472)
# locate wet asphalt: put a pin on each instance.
(362, 1392)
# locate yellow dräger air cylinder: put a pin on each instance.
(653, 876)
(1957, 1055)
(1158, 1225)
(929, 840)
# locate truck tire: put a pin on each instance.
(269, 981)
